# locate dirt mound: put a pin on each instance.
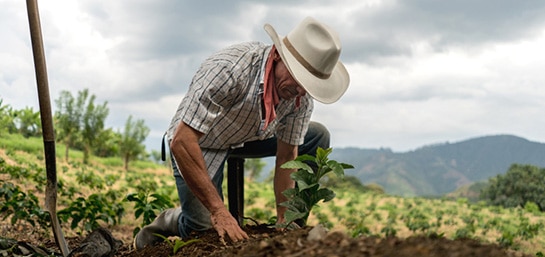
(266, 241)
(269, 242)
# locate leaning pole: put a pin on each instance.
(47, 123)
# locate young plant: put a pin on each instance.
(89, 210)
(21, 206)
(147, 205)
(307, 192)
(389, 230)
(178, 243)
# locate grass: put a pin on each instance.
(34, 145)
(16, 142)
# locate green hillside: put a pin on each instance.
(442, 168)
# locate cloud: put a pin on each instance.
(391, 28)
(422, 71)
(166, 29)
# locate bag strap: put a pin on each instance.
(163, 149)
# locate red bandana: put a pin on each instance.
(270, 96)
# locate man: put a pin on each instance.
(248, 100)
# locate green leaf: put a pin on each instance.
(324, 194)
(291, 216)
(297, 165)
(303, 179)
(296, 204)
(347, 166)
(179, 244)
(290, 192)
(138, 213)
(134, 197)
(321, 154)
(337, 168)
(305, 158)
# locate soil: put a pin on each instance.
(265, 241)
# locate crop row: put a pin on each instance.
(93, 196)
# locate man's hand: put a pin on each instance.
(224, 223)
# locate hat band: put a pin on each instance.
(304, 62)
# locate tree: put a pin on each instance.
(520, 185)
(108, 143)
(92, 123)
(132, 139)
(156, 156)
(68, 118)
(6, 118)
(27, 122)
(254, 167)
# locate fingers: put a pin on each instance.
(239, 235)
(222, 239)
(224, 224)
(234, 231)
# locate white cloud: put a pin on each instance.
(421, 72)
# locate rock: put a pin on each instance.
(100, 243)
(318, 233)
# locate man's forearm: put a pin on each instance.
(199, 182)
(190, 161)
(282, 179)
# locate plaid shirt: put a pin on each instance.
(224, 103)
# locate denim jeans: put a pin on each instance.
(195, 217)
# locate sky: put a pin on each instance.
(422, 71)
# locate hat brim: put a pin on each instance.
(327, 90)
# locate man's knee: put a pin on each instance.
(320, 131)
(317, 136)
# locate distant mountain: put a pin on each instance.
(439, 169)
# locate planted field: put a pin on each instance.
(102, 194)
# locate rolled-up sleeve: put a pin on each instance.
(293, 127)
(208, 96)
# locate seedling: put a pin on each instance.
(178, 243)
(307, 191)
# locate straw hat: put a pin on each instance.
(311, 53)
